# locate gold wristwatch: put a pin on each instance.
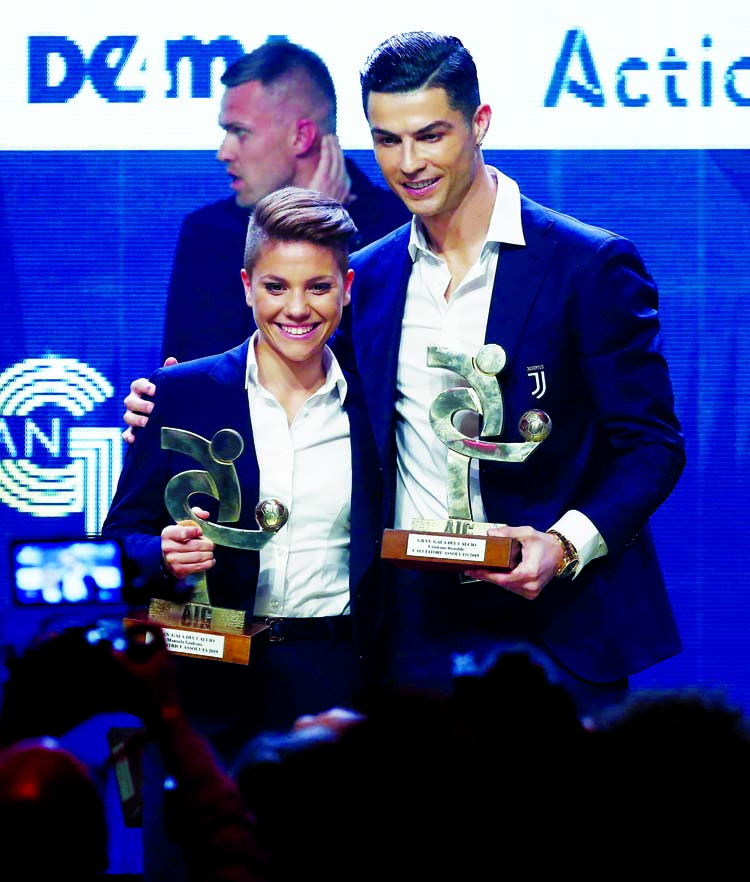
(570, 560)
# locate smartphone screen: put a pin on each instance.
(56, 572)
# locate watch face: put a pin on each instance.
(568, 570)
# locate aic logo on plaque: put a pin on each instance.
(460, 542)
(197, 628)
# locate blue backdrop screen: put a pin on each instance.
(86, 245)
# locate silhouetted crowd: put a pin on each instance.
(500, 779)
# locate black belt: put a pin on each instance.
(316, 628)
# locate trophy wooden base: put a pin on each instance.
(190, 629)
(413, 549)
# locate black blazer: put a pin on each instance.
(204, 396)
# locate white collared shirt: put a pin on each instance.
(304, 569)
(459, 324)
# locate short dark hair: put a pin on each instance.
(278, 59)
(420, 59)
(296, 215)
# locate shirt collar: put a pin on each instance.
(505, 223)
(334, 375)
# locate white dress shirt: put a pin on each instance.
(459, 323)
(304, 569)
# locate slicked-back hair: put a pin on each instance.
(423, 60)
(296, 215)
(278, 60)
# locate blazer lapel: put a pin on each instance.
(366, 493)
(230, 409)
(520, 273)
(378, 311)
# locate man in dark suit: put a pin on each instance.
(575, 311)
(279, 116)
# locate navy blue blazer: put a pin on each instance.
(577, 304)
(204, 396)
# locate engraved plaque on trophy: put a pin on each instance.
(197, 628)
(459, 542)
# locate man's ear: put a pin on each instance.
(481, 122)
(305, 136)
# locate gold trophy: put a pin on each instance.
(459, 542)
(197, 628)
